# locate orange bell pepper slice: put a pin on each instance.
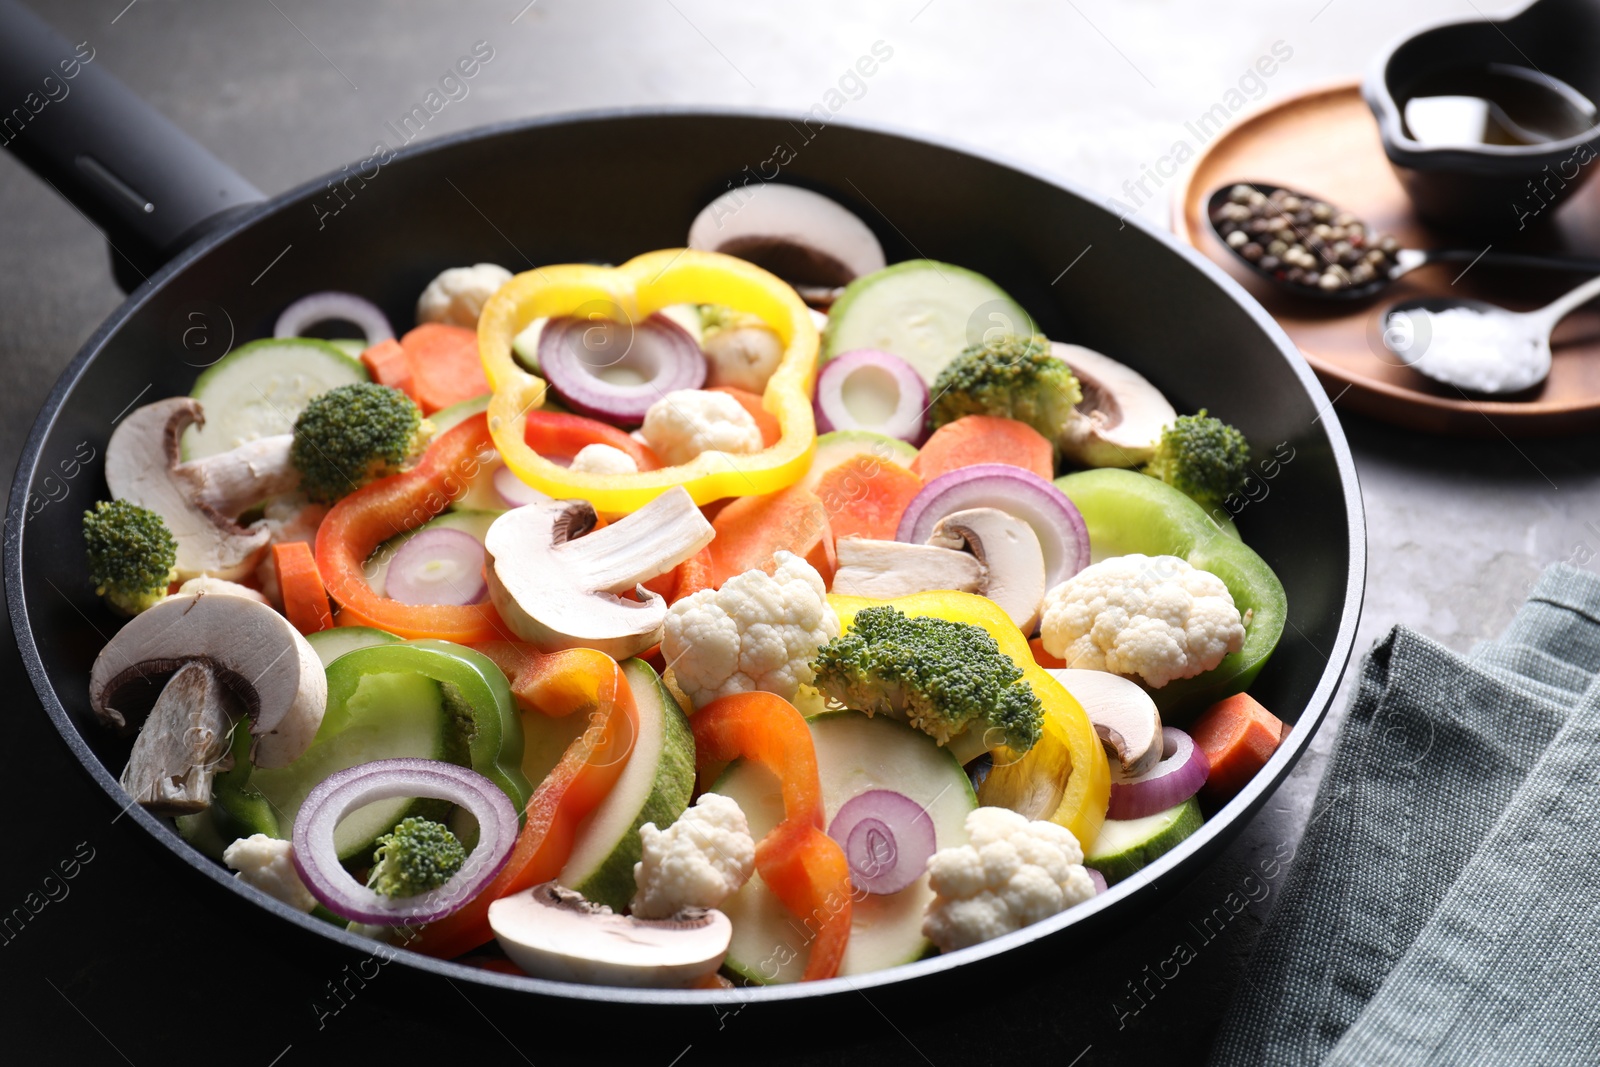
(371, 515)
(579, 679)
(804, 867)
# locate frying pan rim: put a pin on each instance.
(1240, 808)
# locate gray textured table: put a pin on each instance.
(124, 967)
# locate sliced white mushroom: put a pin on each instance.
(1119, 421)
(183, 743)
(883, 570)
(808, 240)
(552, 932)
(271, 672)
(221, 587)
(557, 585)
(1014, 575)
(1123, 715)
(199, 501)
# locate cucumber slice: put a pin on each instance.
(855, 753)
(922, 311)
(481, 495)
(654, 787)
(476, 523)
(1125, 845)
(329, 645)
(390, 715)
(350, 346)
(455, 414)
(259, 389)
(841, 445)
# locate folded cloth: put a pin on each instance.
(1448, 869)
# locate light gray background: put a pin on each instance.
(1091, 90)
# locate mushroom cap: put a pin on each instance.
(1123, 714)
(552, 932)
(142, 460)
(557, 585)
(1013, 559)
(801, 236)
(1119, 421)
(270, 670)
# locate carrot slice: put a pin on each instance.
(445, 368)
(865, 496)
(1043, 658)
(560, 435)
(751, 402)
(305, 599)
(804, 867)
(1238, 736)
(974, 439)
(388, 364)
(753, 529)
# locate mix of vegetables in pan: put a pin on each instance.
(552, 636)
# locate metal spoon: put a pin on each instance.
(1406, 260)
(1477, 346)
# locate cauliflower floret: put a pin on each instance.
(758, 631)
(268, 864)
(1010, 873)
(697, 862)
(1152, 616)
(603, 459)
(687, 422)
(456, 297)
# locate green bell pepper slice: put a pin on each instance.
(486, 727)
(1128, 512)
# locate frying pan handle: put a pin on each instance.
(148, 186)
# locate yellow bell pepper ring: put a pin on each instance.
(1068, 757)
(637, 289)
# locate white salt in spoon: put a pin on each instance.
(1477, 346)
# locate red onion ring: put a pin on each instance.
(334, 306)
(1098, 879)
(887, 838)
(1020, 493)
(908, 419)
(573, 351)
(438, 567)
(516, 492)
(1180, 774)
(317, 859)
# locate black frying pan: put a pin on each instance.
(221, 264)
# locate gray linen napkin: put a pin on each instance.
(1447, 873)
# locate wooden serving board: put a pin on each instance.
(1325, 143)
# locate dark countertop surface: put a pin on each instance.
(132, 962)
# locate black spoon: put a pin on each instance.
(1396, 261)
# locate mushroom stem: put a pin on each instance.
(181, 745)
(235, 481)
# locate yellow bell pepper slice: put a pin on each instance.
(633, 291)
(1068, 747)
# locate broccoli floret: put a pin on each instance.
(1012, 377)
(942, 677)
(1202, 456)
(414, 857)
(355, 434)
(131, 554)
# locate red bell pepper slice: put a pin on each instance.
(559, 435)
(578, 679)
(804, 867)
(362, 521)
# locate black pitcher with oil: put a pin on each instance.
(1490, 123)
